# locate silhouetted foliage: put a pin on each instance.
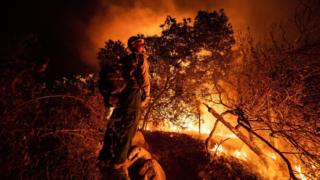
(174, 58)
(272, 87)
(48, 130)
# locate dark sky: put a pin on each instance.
(59, 25)
(72, 31)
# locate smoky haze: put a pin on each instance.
(118, 20)
(74, 30)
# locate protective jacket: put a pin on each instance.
(136, 72)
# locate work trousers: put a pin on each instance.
(122, 127)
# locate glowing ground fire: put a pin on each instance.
(231, 145)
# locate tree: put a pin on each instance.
(177, 56)
(275, 97)
(187, 53)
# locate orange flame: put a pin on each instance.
(217, 149)
(298, 169)
(240, 155)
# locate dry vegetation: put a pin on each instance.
(275, 91)
(53, 130)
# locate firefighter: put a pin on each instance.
(123, 123)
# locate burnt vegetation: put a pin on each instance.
(54, 129)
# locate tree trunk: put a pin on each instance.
(239, 134)
(249, 143)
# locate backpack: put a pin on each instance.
(114, 77)
(111, 80)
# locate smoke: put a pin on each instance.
(118, 20)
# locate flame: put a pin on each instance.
(273, 156)
(226, 135)
(233, 147)
(298, 169)
(204, 53)
(217, 149)
(240, 155)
